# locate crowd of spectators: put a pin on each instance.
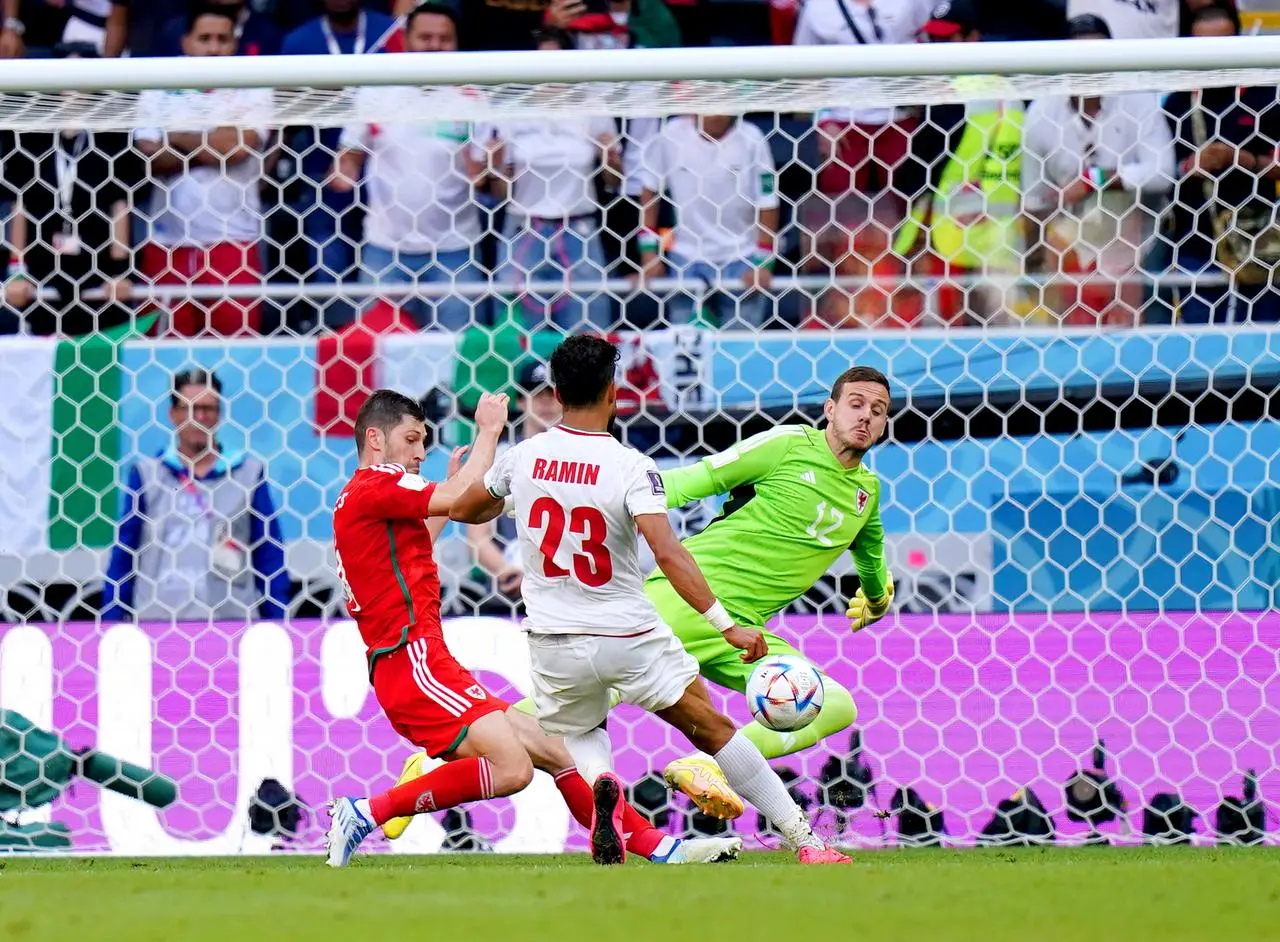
(903, 216)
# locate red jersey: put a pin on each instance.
(384, 557)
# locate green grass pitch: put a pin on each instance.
(1122, 894)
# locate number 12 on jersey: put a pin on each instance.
(823, 533)
(593, 566)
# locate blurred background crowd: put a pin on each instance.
(1063, 209)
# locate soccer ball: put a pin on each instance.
(784, 693)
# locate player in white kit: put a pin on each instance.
(579, 498)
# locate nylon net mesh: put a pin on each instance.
(1067, 279)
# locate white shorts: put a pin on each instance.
(573, 674)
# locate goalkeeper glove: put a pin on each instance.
(864, 611)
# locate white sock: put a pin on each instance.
(664, 847)
(750, 776)
(362, 805)
(592, 754)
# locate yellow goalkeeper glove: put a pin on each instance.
(864, 611)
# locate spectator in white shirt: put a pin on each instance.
(205, 218)
(421, 224)
(719, 175)
(1091, 171)
(859, 205)
(547, 171)
(1132, 19)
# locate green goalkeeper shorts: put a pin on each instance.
(719, 661)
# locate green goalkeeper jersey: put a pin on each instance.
(792, 510)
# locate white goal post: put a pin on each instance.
(706, 81)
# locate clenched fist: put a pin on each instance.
(491, 412)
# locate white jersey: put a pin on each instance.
(1132, 19)
(576, 497)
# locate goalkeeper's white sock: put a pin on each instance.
(750, 776)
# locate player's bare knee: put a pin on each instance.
(547, 753)
(512, 772)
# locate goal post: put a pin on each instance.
(1072, 295)
(701, 81)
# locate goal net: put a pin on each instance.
(1061, 255)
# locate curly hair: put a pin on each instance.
(581, 370)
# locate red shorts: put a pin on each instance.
(430, 699)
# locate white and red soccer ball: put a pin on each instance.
(784, 692)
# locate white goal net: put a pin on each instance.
(1062, 258)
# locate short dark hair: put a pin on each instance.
(193, 376)
(1218, 11)
(532, 376)
(431, 8)
(78, 50)
(197, 10)
(384, 410)
(437, 406)
(860, 374)
(550, 34)
(582, 368)
(1088, 24)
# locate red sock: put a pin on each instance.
(641, 836)
(451, 784)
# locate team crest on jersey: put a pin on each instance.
(655, 483)
(476, 692)
(861, 501)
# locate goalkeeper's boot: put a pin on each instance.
(349, 826)
(607, 843)
(809, 848)
(701, 850)
(412, 769)
(822, 855)
(704, 783)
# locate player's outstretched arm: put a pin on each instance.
(691, 585)
(491, 419)
(747, 462)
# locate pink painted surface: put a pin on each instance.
(966, 709)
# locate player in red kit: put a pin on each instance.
(383, 545)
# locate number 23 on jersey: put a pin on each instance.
(593, 566)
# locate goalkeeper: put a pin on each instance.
(798, 497)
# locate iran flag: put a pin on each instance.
(60, 441)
